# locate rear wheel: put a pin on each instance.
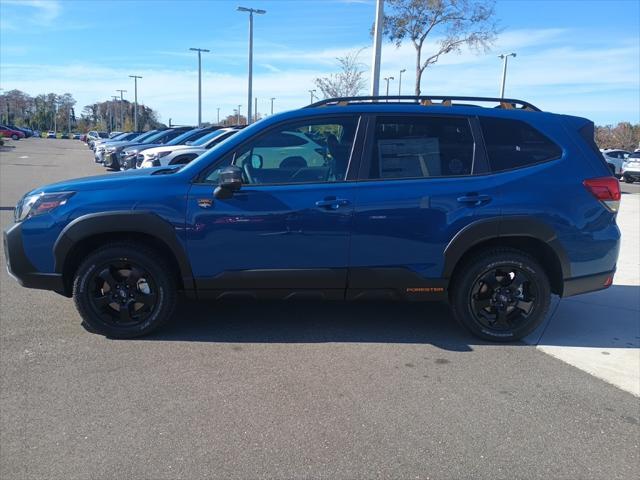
(14, 137)
(501, 295)
(124, 290)
(628, 179)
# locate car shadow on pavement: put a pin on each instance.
(313, 321)
(605, 319)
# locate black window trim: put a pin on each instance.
(355, 156)
(490, 170)
(479, 164)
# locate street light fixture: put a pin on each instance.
(199, 50)
(218, 123)
(135, 105)
(312, 92)
(504, 57)
(272, 99)
(121, 108)
(400, 81)
(386, 79)
(251, 11)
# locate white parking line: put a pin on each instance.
(600, 332)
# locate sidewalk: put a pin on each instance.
(600, 332)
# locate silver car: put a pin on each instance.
(631, 168)
(615, 158)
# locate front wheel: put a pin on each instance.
(501, 295)
(124, 290)
(14, 137)
(628, 179)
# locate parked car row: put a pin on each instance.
(11, 132)
(161, 147)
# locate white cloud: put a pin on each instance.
(550, 70)
(45, 11)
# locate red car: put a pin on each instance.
(8, 132)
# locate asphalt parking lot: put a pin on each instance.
(294, 390)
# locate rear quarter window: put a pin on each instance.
(515, 144)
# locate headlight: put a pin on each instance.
(33, 205)
(110, 149)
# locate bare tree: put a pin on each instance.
(349, 82)
(454, 23)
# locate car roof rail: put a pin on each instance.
(427, 100)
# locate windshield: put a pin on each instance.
(634, 155)
(209, 136)
(180, 139)
(103, 134)
(152, 138)
(143, 136)
(120, 136)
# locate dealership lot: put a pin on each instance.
(315, 390)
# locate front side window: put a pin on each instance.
(515, 144)
(302, 152)
(421, 147)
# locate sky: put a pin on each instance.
(578, 57)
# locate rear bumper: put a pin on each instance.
(20, 268)
(586, 284)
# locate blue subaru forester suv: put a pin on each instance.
(414, 198)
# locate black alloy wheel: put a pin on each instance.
(125, 290)
(500, 295)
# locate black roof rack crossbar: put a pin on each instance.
(425, 100)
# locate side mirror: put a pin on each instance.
(230, 181)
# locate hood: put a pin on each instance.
(99, 182)
(164, 148)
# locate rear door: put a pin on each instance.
(421, 182)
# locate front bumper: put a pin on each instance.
(631, 173)
(20, 268)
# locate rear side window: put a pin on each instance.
(515, 144)
(421, 147)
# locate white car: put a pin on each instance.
(615, 158)
(631, 168)
(181, 154)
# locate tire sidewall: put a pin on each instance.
(462, 304)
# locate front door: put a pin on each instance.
(288, 227)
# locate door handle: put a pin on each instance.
(332, 203)
(474, 199)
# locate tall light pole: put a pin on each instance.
(312, 92)
(199, 50)
(218, 116)
(250, 89)
(121, 108)
(135, 105)
(272, 99)
(255, 109)
(238, 117)
(400, 81)
(113, 120)
(377, 48)
(386, 79)
(504, 57)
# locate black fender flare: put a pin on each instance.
(124, 221)
(500, 227)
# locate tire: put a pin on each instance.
(494, 305)
(628, 179)
(14, 137)
(120, 305)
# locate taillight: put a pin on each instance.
(605, 189)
